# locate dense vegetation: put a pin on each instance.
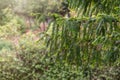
(81, 40)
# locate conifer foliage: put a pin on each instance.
(90, 37)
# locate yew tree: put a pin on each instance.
(89, 36)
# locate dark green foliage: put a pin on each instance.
(88, 39)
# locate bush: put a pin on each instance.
(4, 44)
(30, 61)
(13, 25)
